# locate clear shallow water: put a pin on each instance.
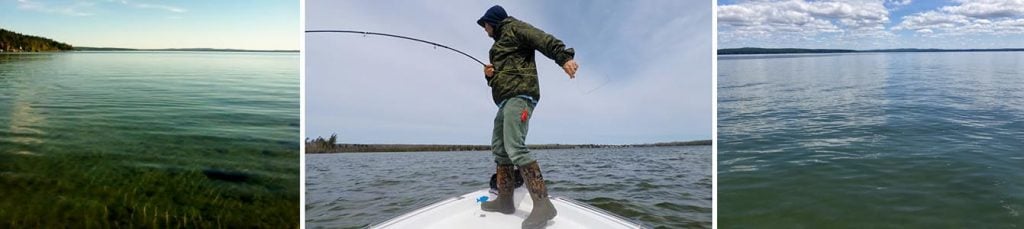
(149, 138)
(659, 186)
(871, 140)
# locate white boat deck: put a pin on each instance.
(464, 212)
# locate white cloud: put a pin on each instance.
(162, 7)
(802, 20)
(86, 8)
(898, 2)
(968, 18)
(74, 9)
(987, 8)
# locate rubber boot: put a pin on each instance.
(506, 187)
(543, 210)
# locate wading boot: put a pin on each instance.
(542, 208)
(506, 186)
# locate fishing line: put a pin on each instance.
(606, 81)
(435, 44)
(398, 36)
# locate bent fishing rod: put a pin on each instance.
(364, 33)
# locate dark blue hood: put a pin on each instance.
(493, 16)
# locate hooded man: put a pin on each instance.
(512, 76)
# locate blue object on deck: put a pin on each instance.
(481, 199)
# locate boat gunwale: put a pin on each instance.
(621, 220)
(415, 212)
(604, 213)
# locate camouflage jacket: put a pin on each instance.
(515, 71)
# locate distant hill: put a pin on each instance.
(178, 49)
(748, 50)
(16, 42)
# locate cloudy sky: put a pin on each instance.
(871, 24)
(645, 72)
(238, 24)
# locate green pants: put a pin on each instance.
(508, 141)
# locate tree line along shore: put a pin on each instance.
(16, 42)
(11, 42)
(330, 145)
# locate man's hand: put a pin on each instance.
(489, 70)
(570, 68)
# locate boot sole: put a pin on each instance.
(503, 211)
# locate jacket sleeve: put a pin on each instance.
(547, 44)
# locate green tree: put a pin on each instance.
(16, 42)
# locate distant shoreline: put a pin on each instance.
(177, 49)
(311, 148)
(749, 50)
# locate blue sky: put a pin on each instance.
(158, 24)
(871, 24)
(645, 72)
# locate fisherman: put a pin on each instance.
(512, 76)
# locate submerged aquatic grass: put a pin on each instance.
(74, 190)
(149, 139)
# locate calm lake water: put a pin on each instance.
(885, 140)
(157, 139)
(657, 186)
